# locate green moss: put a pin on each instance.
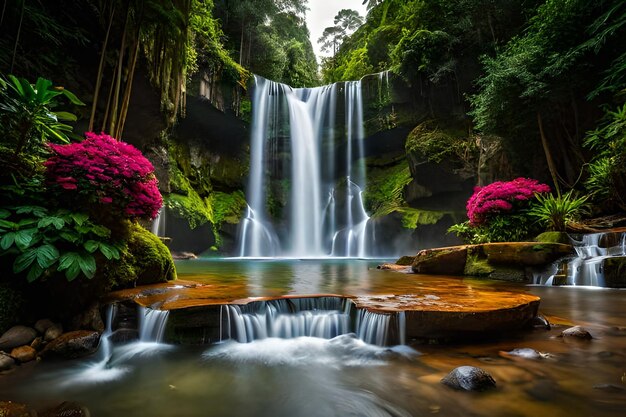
(227, 207)
(476, 263)
(405, 260)
(438, 145)
(412, 218)
(190, 207)
(152, 259)
(553, 237)
(385, 189)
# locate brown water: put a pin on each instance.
(343, 377)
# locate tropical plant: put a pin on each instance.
(607, 172)
(42, 242)
(555, 213)
(103, 171)
(27, 116)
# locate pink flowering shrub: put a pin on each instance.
(103, 171)
(501, 197)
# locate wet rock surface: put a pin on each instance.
(6, 362)
(24, 353)
(66, 409)
(577, 332)
(469, 378)
(17, 336)
(73, 344)
(11, 409)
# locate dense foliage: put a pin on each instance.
(101, 171)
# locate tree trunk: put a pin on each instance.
(546, 150)
(127, 91)
(100, 72)
(241, 44)
(118, 78)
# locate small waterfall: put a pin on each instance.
(159, 224)
(587, 268)
(296, 146)
(323, 317)
(105, 349)
(152, 324)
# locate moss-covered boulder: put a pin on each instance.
(503, 261)
(553, 237)
(146, 261)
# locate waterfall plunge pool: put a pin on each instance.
(308, 377)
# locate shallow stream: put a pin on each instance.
(343, 376)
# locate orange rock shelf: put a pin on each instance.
(434, 308)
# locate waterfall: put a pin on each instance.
(321, 317)
(587, 267)
(158, 224)
(310, 164)
(152, 324)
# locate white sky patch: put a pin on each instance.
(322, 14)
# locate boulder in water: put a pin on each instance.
(469, 378)
(577, 332)
(73, 344)
(24, 353)
(53, 332)
(6, 363)
(17, 336)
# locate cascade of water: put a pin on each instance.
(316, 317)
(372, 327)
(587, 268)
(158, 224)
(318, 224)
(152, 324)
(104, 349)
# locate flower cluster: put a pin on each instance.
(102, 170)
(501, 197)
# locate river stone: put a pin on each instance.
(24, 353)
(526, 353)
(469, 378)
(73, 344)
(42, 325)
(89, 319)
(66, 409)
(37, 343)
(53, 332)
(577, 332)
(6, 363)
(11, 409)
(17, 336)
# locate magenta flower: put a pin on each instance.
(101, 169)
(501, 197)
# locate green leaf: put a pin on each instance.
(57, 222)
(88, 265)
(91, 246)
(4, 213)
(24, 261)
(24, 238)
(110, 252)
(7, 240)
(79, 218)
(36, 210)
(101, 231)
(72, 97)
(66, 116)
(47, 255)
(5, 224)
(42, 86)
(69, 262)
(26, 222)
(69, 236)
(34, 272)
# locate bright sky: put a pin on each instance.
(322, 14)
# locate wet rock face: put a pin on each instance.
(73, 344)
(24, 353)
(577, 332)
(469, 378)
(17, 336)
(6, 363)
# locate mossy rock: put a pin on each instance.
(477, 264)
(151, 260)
(525, 253)
(405, 260)
(553, 237)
